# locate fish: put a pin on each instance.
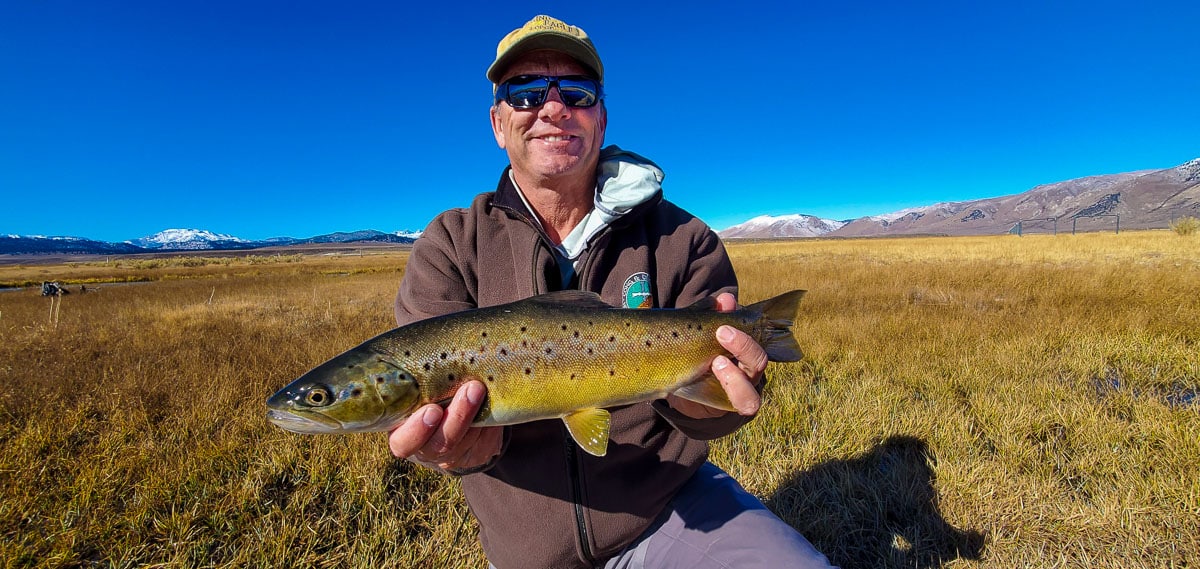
(562, 355)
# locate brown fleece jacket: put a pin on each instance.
(543, 502)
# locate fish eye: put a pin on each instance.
(318, 397)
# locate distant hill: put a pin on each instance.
(182, 240)
(1147, 199)
(795, 225)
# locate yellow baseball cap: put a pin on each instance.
(544, 32)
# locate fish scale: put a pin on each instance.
(563, 355)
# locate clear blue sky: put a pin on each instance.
(259, 119)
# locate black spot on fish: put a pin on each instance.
(611, 373)
(522, 328)
(612, 338)
(564, 327)
(379, 379)
(572, 376)
(589, 351)
(443, 355)
(471, 360)
(427, 366)
(699, 327)
(491, 378)
(626, 323)
(589, 322)
(450, 376)
(483, 334)
(407, 353)
(524, 344)
(503, 351)
(528, 371)
(356, 392)
(674, 334)
(647, 343)
(577, 333)
(689, 326)
(549, 351)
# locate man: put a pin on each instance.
(568, 213)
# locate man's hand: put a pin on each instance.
(444, 438)
(738, 380)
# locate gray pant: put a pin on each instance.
(713, 523)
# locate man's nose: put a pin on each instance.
(554, 107)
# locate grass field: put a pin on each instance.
(964, 402)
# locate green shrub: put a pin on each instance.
(1185, 225)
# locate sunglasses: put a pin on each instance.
(530, 91)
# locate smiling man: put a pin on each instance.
(569, 213)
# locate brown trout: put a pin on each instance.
(563, 355)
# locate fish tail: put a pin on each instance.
(777, 315)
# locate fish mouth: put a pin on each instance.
(319, 424)
(304, 425)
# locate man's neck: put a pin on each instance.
(558, 204)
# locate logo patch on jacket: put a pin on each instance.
(636, 291)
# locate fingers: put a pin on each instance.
(726, 302)
(740, 380)
(444, 437)
(750, 356)
(737, 385)
(415, 431)
(459, 414)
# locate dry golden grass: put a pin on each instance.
(990, 402)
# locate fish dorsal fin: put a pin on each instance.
(577, 298)
(589, 428)
(707, 391)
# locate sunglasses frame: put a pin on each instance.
(504, 90)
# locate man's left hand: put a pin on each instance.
(739, 377)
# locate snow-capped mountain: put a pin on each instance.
(184, 240)
(794, 225)
(189, 239)
(1146, 199)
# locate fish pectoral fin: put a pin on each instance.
(589, 428)
(707, 391)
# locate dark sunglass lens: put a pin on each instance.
(576, 97)
(579, 92)
(526, 96)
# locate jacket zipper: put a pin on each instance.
(577, 501)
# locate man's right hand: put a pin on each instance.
(444, 438)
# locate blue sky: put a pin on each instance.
(271, 118)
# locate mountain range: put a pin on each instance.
(183, 240)
(1147, 199)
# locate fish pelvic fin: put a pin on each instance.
(707, 391)
(589, 428)
(778, 313)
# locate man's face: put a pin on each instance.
(552, 141)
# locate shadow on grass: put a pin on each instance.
(877, 510)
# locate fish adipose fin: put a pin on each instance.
(706, 391)
(589, 428)
(777, 316)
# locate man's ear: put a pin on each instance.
(497, 127)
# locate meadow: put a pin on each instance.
(963, 402)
